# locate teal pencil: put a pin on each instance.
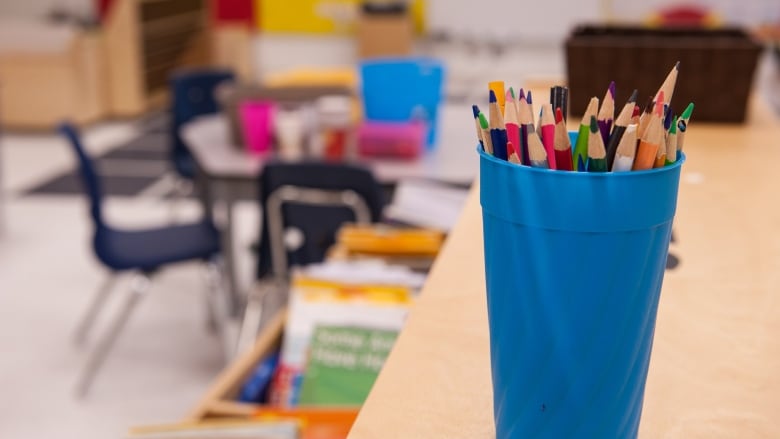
(597, 154)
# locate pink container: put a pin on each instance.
(257, 120)
(402, 140)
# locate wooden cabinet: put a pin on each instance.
(145, 41)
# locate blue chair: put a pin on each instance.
(400, 89)
(192, 95)
(143, 252)
(304, 205)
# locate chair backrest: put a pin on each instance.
(399, 89)
(192, 95)
(312, 201)
(88, 173)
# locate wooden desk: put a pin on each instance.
(716, 357)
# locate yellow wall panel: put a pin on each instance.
(316, 16)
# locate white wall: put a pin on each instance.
(39, 8)
(743, 12)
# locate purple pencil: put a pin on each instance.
(607, 113)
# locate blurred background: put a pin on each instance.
(273, 154)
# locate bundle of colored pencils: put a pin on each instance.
(635, 140)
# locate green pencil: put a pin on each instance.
(682, 126)
(485, 126)
(581, 147)
(597, 154)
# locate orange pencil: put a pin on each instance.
(652, 139)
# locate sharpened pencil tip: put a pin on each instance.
(659, 104)
(529, 98)
(594, 125)
(633, 97)
(510, 94)
(677, 65)
(475, 110)
(493, 97)
(483, 122)
(612, 89)
(668, 119)
(688, 110)
(558, 115)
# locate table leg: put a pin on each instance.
(228, 249)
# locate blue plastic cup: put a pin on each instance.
(402, 89)
(574, 263)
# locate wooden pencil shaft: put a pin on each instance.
(645, 155)
(488, 140)
(614, 141)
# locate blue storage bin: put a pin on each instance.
(399, 89)
(574, 264)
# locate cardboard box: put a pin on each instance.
(384, 32)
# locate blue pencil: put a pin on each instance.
(497, 128)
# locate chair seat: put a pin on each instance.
(149, 249)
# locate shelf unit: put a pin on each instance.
(145, 41)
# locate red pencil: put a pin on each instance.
(512, 122)
(563, 158)
(547, 122)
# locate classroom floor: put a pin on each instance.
(162, 363)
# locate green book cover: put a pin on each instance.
(343, 364)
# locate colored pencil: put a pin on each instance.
(581, 146)
(512, 121)
(652, 140)
(547, 123)
(530, 101)
(644, 119)
(497, 87)
(510, 97)
(607, 113)
(668, 85)
(671, 143)
(635, 115)
(526, 120)
(475, 110)
(485, 127)
(497, 128)
(563, 159)
(512, 151)
(660, 154)
(626, 150)
(668, 117)
(581, 165)
(622, 121)
(597, 155)
(559, 98)
(682, 127)
(536, 150)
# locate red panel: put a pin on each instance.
(233, 11)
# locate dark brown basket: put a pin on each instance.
(716, 67)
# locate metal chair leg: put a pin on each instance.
(217, 308)
(140, 286)
(258, 308)
(98, 300)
